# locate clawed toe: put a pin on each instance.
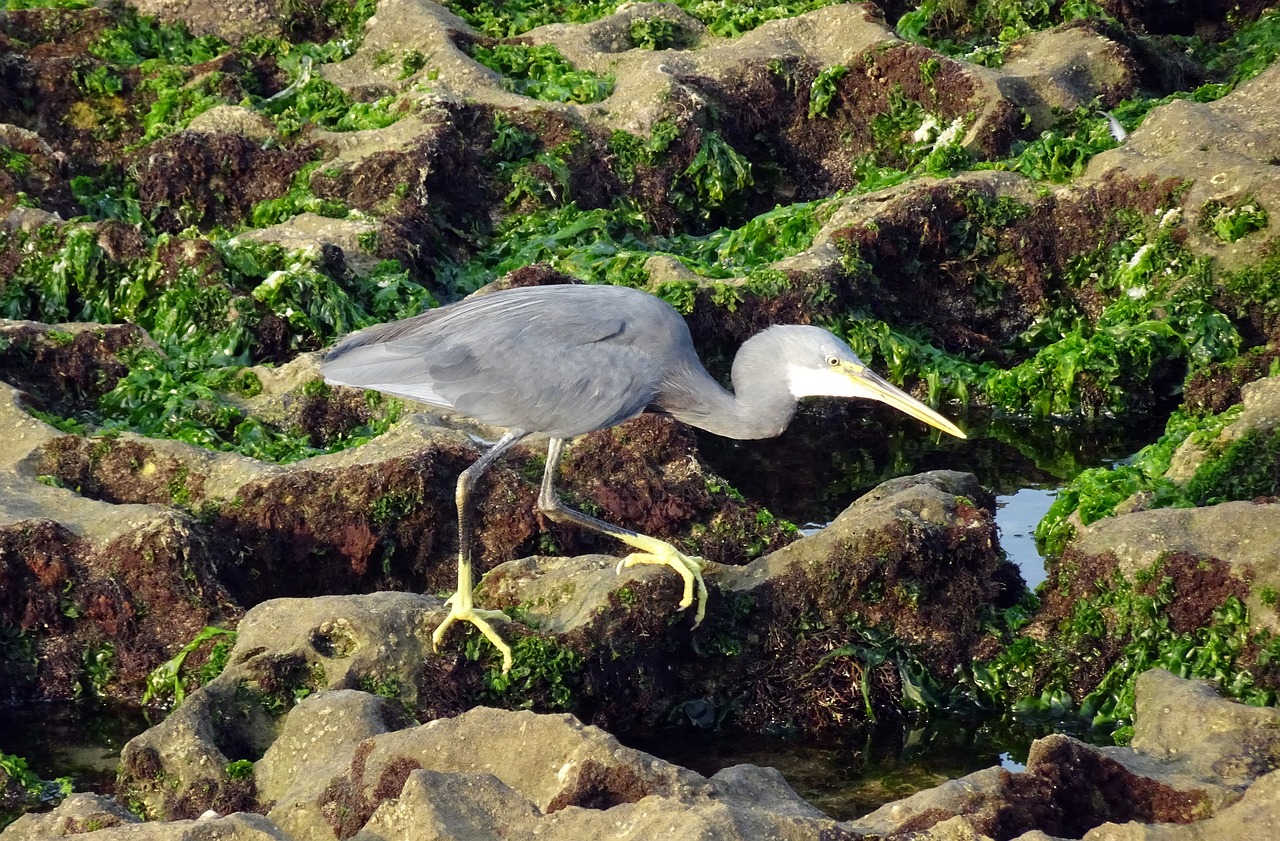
(689, 566)
(479, 618)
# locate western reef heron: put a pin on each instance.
(562, 361)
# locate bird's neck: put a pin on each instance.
(760, 405)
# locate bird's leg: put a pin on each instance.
(461, 607)
(652, 550)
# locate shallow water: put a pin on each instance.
(849, 779)
(81, 740)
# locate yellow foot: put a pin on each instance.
(479, 618)
(690, 567)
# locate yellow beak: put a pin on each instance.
(871, 385)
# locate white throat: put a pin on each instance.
(806, 381)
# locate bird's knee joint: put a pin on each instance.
(552, 508)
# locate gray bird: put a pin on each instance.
(562, 361)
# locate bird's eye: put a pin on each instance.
(833, 361)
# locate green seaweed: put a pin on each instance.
(541, 72)
(166, 681)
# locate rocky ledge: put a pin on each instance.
(344, 763)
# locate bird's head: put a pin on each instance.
(816, 363)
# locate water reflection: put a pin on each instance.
(1017, 515)
(849, 779)
(80, 740)
(835, 451)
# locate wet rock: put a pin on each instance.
(64, 368)
(914, 559)
(1058, 70)
(1201, 767)
(493, 773)
(1233, 544)
(1255, 816)
(316, 744)
(78, 814)
(1187, 725)
(1260, 414)
(1170, 781)
(967, 795)
(79, 576)
(238, 827)
(312, 233)
(1224, 151)
(191, 178)
(233, 21)
(233, 119)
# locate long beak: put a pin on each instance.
(873, 386)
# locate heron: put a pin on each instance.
(561, 361)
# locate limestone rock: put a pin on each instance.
(1187, 724)
(315, 747)
(234, 20)
(240, 826)
(1243, 535)
(1224, 150)
(1194, 755)
(79, 813)
(1261, 413)
(1255, 817)
(1063, 68)
(233, 119)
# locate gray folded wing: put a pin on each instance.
(523, 361)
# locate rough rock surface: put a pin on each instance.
(921, 529)
(1198, 765)
(136, 544)
(1243, 537)
(1200, 768)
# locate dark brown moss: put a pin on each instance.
(343, 803)
(190, 178)
(120, 471)
(367, 527)
(66, 376)
(601, 787)
(392, 779)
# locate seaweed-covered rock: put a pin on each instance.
(1198, 764)
(78, 814)
(908, 570)
(344, 765)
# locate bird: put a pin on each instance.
(564, 360)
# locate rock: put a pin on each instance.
(315, 747)
(1201, 767)
(1244, 537)
(312, 233)
(434, 806)
(238, 827)
(78, 814)
(488, 774)
(1195, 758)
(233, 119)
(285, 650)
(1058, 70)
(917, 529)
(234, 21)
(74, 572)
(1223, 150)
(1261, 413)
(1255, 817)
(1188, 725)
(967, 795)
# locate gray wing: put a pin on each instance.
(557, 360)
